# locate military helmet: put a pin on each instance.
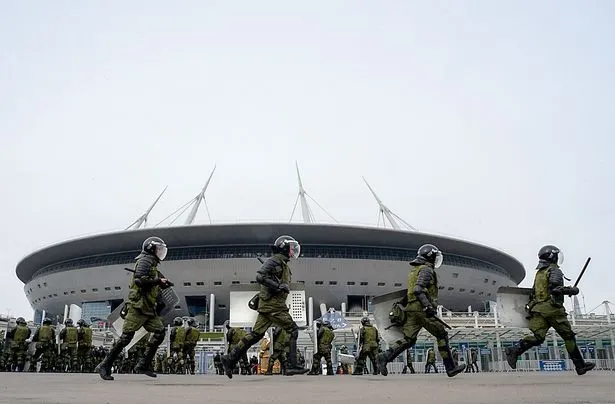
(288, 246)
(81, 322)
(326, 322)
(365, 321)
(20, 320)
(431, 254)
(155, 246)
(177, 321)
(69, 321)
(47, 321)
(551, 254)
(191, 322)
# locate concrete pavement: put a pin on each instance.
(492, 388)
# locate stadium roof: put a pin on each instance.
(259, 234)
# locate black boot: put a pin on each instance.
(581, 366)
(293, 367)
(330, 369)
(104, 367)
(144, 366)
(385, 357)
(516, 350)
(358, 369)
(229, 362)
(451, 369)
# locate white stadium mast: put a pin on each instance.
(306, 212)
(142, 220)
(197, 201)
(387, 213)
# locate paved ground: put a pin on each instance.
(491, 388)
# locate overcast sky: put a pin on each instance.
(488, 121)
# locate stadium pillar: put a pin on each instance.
(212, 307)
(555, 347)
(310, 310)
(343, 309)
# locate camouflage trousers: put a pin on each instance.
(84, 358)
(70, 360)
(45, 353)
(17, 354)
(367, 351)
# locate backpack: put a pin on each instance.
(397, 315)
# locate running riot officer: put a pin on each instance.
(274, 278)
(546, 309)
(142, 307)
(421, 311)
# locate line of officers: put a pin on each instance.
(369, 346)
(72, 351)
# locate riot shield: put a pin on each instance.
(511, 304)
(381, 306)
(346, 359)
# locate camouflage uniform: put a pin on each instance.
(68, 349)
(19, 346)
(546, 310)
(45, 339)
(420, 311)
(192, 337)
(325, 338)
(233, 337)
(369, 348)
(431, 361)
(143, 308)
(85, 347)
(177, 339)
(274, 278)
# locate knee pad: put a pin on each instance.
(125, 339)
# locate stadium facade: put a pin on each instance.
(339, 264)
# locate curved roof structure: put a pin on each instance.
(259, 233)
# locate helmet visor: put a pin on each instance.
(439, 258)
(161, 251)
(560, 257)
(294, 249)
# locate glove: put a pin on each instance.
(284, 287)
(570, 290)
(430, 311)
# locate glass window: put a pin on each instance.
(381, 283)
(187, 284)
(200, 283)
(364, 283)
(332, 282)
(318, 282)
(248, 251)
(397, 285)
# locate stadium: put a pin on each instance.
(339, 265)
